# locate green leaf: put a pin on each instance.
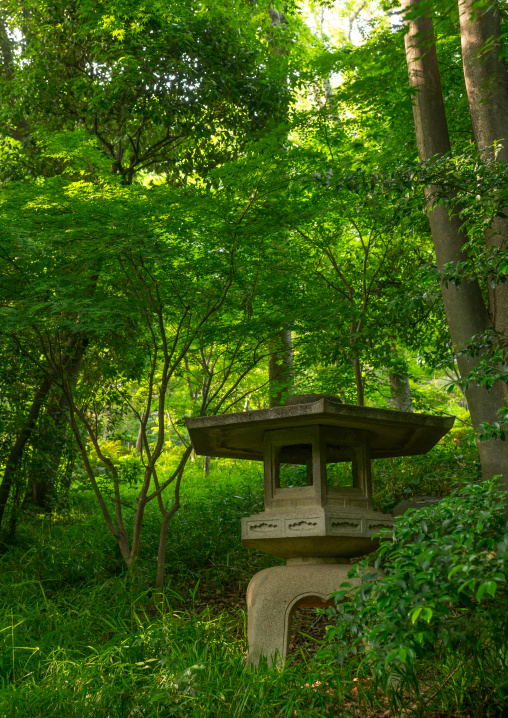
(427, 613)
(391, 655)
(456, 569)
(486, 587)
(415, 613)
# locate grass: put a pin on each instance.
(76, 639)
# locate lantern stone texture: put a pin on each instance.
(318, 513)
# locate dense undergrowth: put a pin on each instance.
(78, 638)
(437, 614)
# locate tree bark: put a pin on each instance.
(280, 368)
(43, 487)
(16, 453)
(163, 537)
(399, 385)
(139, 440)
(20, 132)
(465, 309)
(486, 80)
(71, 354)
(48, 450)
(401, 392)
(280, 363)
(360, 388)
(485, 75)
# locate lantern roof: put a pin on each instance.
(391, 433)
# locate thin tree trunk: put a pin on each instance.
(354, 329)
(48, 450)
(351, 19)
(280, 363)
(20, 132)
(401, 392)
(280, 368)
(399, 385)
(360, 393)
(16, 453)
(139, 440)
(118, 531)
(42, 488)
(487, 91)
(465, 309)
(163, 536)
(14, 511)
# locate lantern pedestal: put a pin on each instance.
(275, 593)
(317, 531)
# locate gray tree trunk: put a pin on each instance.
(280, 363)
(465, 309)
(20, 132)
(359, 383)
(399, 385)
(401, 392)
(139, 439)
(487, 91)
(280, 368)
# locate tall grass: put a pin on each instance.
(76, 639)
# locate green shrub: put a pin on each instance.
(449, 465)
(433, 626)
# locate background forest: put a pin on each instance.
(204, 208)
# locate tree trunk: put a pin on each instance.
(487, 91)
(399, 383)
(20, 132)
(280, 368)
(485, 75)
(139, 440)
(70, 354)
(163, 536)
(47, 449)
(280, 363)
(360, 393)
(465, 309)
(42, 485)
(401, 392)
(16, 453)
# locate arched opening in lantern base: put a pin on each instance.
(306, 627)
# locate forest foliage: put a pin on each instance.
(180, 183)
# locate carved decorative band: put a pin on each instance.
(301, 525)
(263, 527)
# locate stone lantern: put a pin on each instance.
(318, 511)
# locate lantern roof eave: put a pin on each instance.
(391, 433)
